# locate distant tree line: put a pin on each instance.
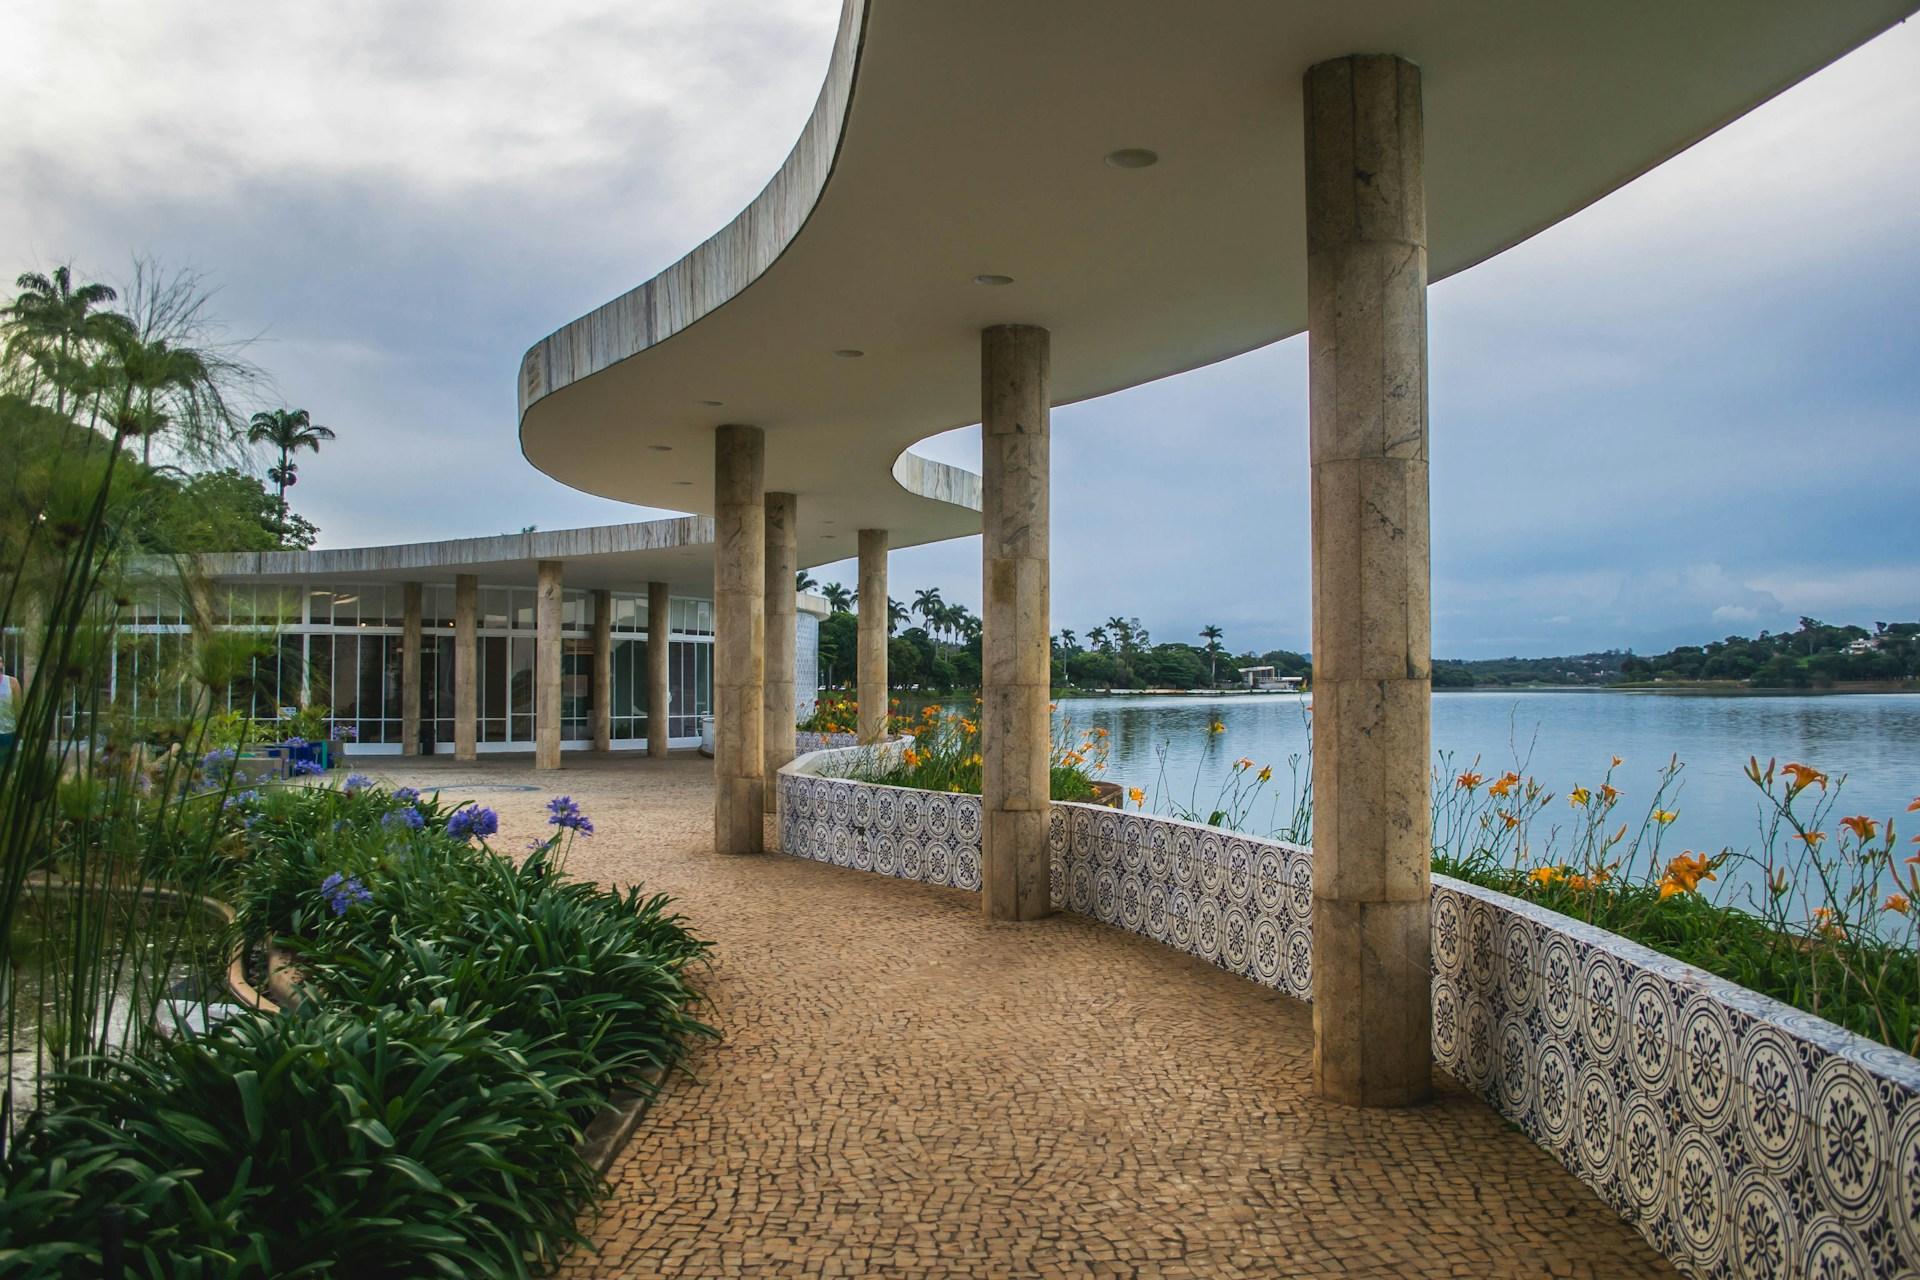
(1815, 654)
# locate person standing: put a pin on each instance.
(9, 710)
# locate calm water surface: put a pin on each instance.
(1563, 738)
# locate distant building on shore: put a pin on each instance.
(1262, 680)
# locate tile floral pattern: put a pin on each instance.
(891, 831)
(1741, 1137)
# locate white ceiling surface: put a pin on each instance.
(974, 144)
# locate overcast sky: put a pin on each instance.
(1691, 410)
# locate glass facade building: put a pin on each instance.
(340, 646)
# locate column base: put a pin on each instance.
(1015, 865)
(739, 815)
(1372, 998)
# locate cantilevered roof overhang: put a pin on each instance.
(620, 557)
(955, 141)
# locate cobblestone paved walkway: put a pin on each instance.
(906, 1090)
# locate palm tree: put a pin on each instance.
(1211, 634)
(53, 325)
(931, 608)
(155, 371)
(804, 581)
(289, 431)
(1122, 634)
(1097, 637)
(897, 613)
(1069, 641)
(839, 599)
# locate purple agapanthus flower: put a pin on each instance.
(356, 782)
(346, 732)
(563, 812)
(294, 742)
(342, 892)
(408, 817)
(306, 768)
(479, 823)
(406, 795)
(240, 799)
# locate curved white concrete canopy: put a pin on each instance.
(957, 140)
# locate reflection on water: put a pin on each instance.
(1563, 737)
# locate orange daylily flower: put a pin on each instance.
(1266, 773)
(1503, 785)
(1578, 797)
(1827, 923)
(1617, 762)
(1138, 797)
(1608, 794)
(1803, 776)
(1470, 780)
(1509, 819)
(1861, 825)
(1216, 727)
(1812, 838)
(1243, 763)
(1664, 816)
(1685, 873)
(1544, 876)
(1898, 902)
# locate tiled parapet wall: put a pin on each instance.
(891, 831)
(1237, 902)
(1743, 1138)
(808, 740)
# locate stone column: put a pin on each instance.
(1016, 738)
(466, 666)
(410, 670)
(659, 628)
(870, 685)
(783, 562)
(1367, 383)
(739, 639)
(546, 666)
(603, 671)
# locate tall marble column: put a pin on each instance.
(870, 684)
(739, 639)
(603, 670)
(546, 662)
(1367, 381)
(783, 563)
(1016, 740)
(466, 666)
(410, 669)
(659, 628)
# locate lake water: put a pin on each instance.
(1564, 738)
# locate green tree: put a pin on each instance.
(289, 431)
(804, 581)
(52, 329)
(839, 599)
(1211, 634)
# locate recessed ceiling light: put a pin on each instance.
(683, 482)
(993, 280)
(661, 448)
(1132, 158)
(829, 522)
(713, 404)
(826, 535)
(849, 353)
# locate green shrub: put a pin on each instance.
(595, 976)
(368, 1142)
